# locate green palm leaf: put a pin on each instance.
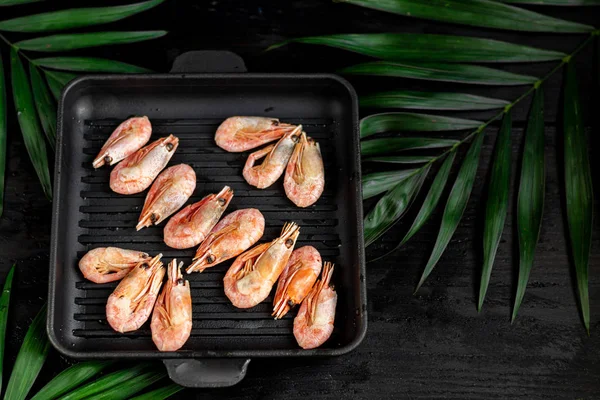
(401, 159)
(30, 127)
(483, 13)
(403, 121)
(117, 379)
(379, 182)
(30, 359)
(45, 105)
(75, 41)
(4, 304)
(497, 204)
(556, 2)
(3, 132)
(70, 379)
(430, 101)
(89, 64)
(375, 147)
(430, 48)
(161, 393)
(54, 85)
(530, 202)
(459, 73)
(578, 189)
(390, 208)
(61, 77)
(131, 387)
(455, 207)
(75, 18)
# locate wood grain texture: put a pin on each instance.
(434, 345)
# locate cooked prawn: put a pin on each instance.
(296, 280)
(276, 158)
(135, 173)
(128, 138)
(305, 176)
(191, 225)
(168, 193)
(130, 305)
(231, 236)
(252, 275)
(172, 317)
(238, 134)
(314, 323)
(108, 264)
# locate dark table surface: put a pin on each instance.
(432, 345)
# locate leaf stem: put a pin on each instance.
(5, 40)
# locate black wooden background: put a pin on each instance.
(433, 345)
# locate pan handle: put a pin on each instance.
(207, 372)
(208, 61)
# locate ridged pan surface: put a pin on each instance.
(87, 214)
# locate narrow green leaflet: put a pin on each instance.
(390, 208)
(89, 64)
(70, 379)
(161, 393)
(401, 159)
(455, 207)
(556, 2)
(3, 134)
(16, 2)
(61, 77)
(376, 147)
(84, 40)
(115, 379)
(530, 201)
(432, 198)
(431, 48)
(4, 306)
(30, 359)
(459, 73)
(578, 186)
(497, 203)
(430, 101)
(403, 121)
(131, 387)
(54, 85)
(379, 182)
(483, 13)
(30, 127)
(45, 105)
(74, 18)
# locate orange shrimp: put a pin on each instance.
(252, 275)
(314, 323)
(128, 138)
(172, 317)
(135, 173)
(276, 158)
(238, 134)
(191, 225)
(168, 193)
(109, 264)
(231, 236)
(305, 176)
(130, 305)
(296, 280)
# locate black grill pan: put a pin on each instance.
(191, 105)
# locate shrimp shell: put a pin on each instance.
(252, 275)
(296, 280)
(238, 134)
(231, 236)
(304, 179)
(128, 138)
(135, 173)
(130, 305)
(109, 264)
(168, 193)
(314, 323)
(172, 317)
(276, 158)
(190, 226)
